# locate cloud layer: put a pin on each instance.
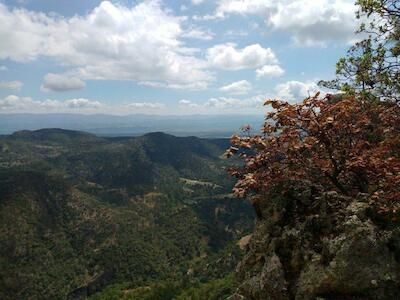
(270, 71)
(61, 83)
(149, 43)
(112, 42)
(295, 91)
(237, 88)
(13, 103)
(308, 22)
(17, 104)
(11, 85)
(228, 57)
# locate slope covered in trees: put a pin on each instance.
(82, 215)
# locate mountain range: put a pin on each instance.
(131, 125)
(111, 217)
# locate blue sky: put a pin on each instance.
(167, 57)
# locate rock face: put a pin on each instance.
(329, 247)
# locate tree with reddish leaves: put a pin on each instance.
(336, 143)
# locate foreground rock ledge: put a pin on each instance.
(329, 247)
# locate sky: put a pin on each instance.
(167, 57)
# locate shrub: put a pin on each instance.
(336, 143)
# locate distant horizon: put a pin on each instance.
(134, 114)
(201, 125)
(200, 135)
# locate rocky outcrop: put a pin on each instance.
(326, 247)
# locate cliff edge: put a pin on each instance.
(329, 247)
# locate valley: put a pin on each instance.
(84, 216)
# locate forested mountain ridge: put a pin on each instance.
(81, 213)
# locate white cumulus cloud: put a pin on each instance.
(312, 22)
(13, 103)
(237, 88)
(199, 34)
(111, 42)
(61, 83)
(228, 103)
(226, 56)
(145, 105)
(308, 22)
(226, 7)
(184, 103)
(270, 71)
(296, 91)
(82, 103)
(197, 2)
(16, 104)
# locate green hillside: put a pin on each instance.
(86, 216)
